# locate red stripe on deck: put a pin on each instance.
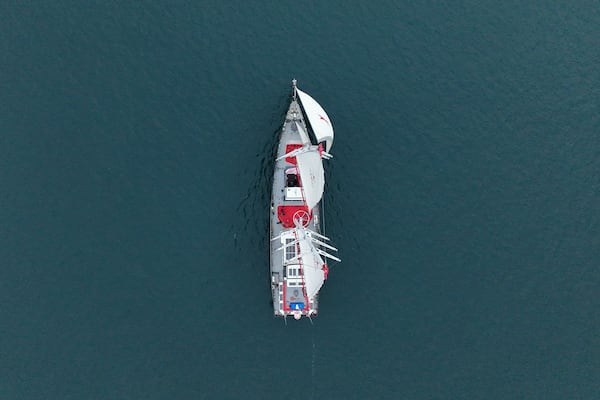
(290, 147)
(285, 307)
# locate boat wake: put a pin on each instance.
(313, 366)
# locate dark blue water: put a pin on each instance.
(135, 162)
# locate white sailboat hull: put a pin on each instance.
(297, 268)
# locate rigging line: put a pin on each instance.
(323, 215)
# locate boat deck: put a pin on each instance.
(287, 203)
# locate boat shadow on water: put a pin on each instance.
(250, 236)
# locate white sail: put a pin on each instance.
(312, 176)
(312, 265)
(303, 135)
(318, 118)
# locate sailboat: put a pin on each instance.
(298, 247)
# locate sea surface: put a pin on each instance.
(136, 144)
